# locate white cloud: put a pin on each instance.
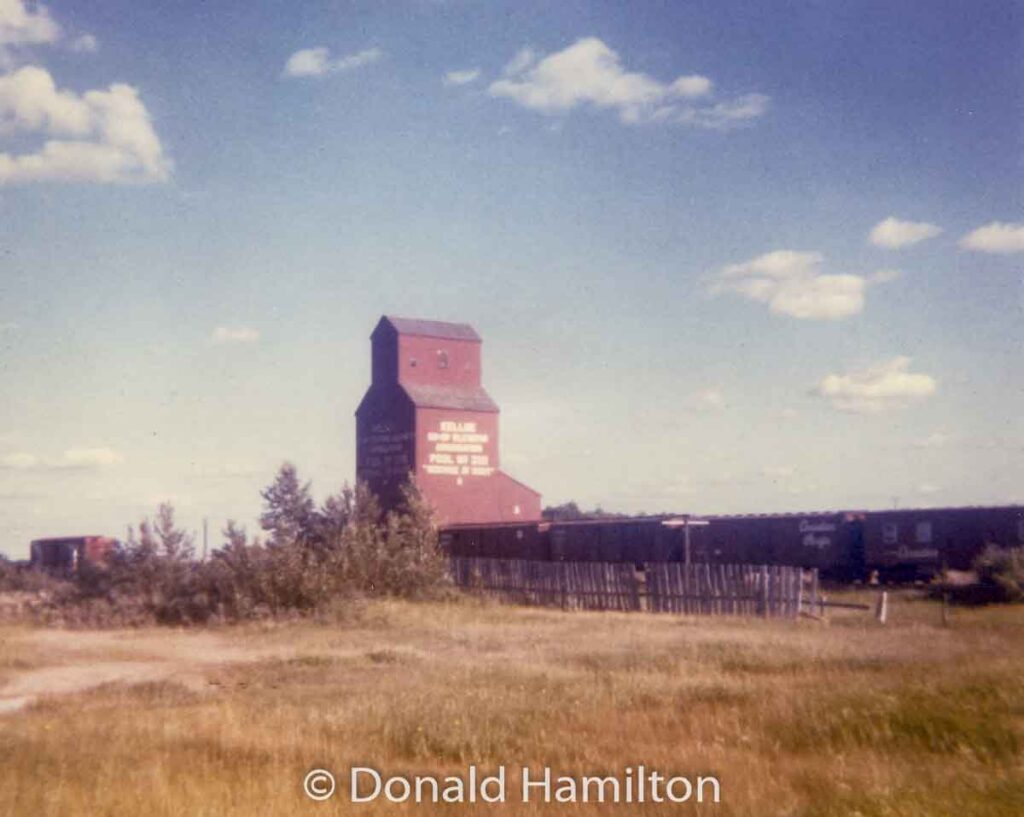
(791, 283)
(19, 460)
(89, 458)
(461, 77)
(524, 58)
(85, 44)
(885, 386)
(309, 62)
(588, 72)
(692, 86)
(238, 334)
(72, 459)
(317, 62)
(778, 471)
(26, 24)
(927, 488)
(723, 115)
(892, 233)
(9, 326)
(998, 238)
(109, 135)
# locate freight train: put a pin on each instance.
(66, 554)
(843, 545)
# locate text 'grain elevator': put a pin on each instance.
(427, 414)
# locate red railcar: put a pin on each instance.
(66, 554)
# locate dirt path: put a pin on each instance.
(77, 661)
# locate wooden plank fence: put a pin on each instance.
(569, 585)
(659, 587)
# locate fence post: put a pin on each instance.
(764, 592)
(882, 610)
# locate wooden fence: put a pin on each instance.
(659, 587)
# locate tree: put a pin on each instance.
(569, 511)
(334, 516)
(562, 513)
(234, 536)
(173, 543)
(289, 513)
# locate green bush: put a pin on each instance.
(21, 578)
(1002, 570)
(315, 560)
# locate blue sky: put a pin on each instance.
(724, 256)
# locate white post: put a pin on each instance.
(882, 610)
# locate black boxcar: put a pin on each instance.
(845, 545)
(921, 541)
(829, 541)
(514, 540)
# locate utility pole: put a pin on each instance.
(686, 538)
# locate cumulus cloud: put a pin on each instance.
(588, 72)
(461, 77)
(317, 62)
(523, 59)
(792, 283)
(100, 136)
(237, 334)
(892, 233)
(85, 44)
(26, 24)
(998, 238)
(885, 386)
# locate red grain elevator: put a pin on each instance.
(426, 413)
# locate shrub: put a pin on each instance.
(1002, 570)
(397, 554)
(21, 578)
(315, 560)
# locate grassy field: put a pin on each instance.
(794, 718)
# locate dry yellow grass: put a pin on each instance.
(794, 718)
